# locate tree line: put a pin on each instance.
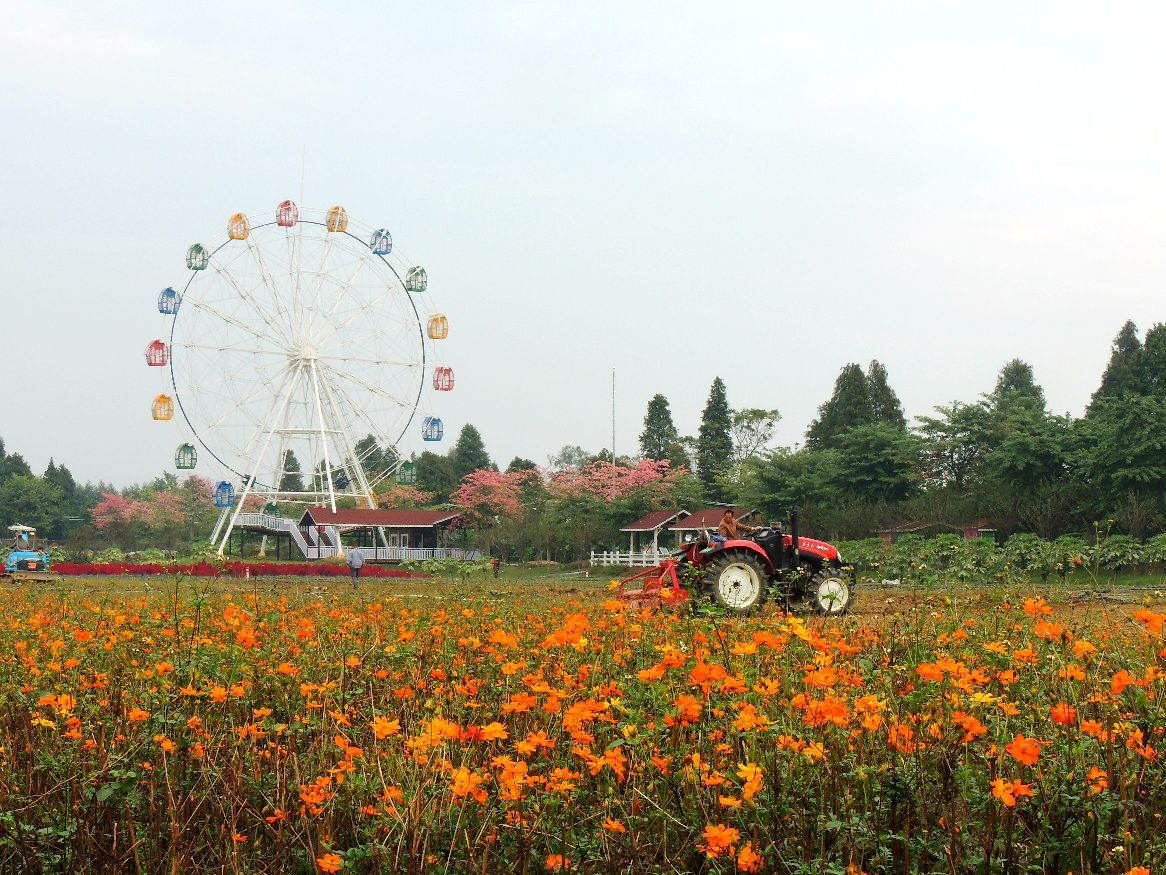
(862, 468)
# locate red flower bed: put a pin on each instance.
(230, 569)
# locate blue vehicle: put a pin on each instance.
(27, 559)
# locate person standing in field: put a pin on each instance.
(355, 563)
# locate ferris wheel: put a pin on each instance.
(302, 356)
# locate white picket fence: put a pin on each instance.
(627, 559)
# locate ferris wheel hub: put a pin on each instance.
(305, 353)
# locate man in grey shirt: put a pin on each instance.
(355, 563)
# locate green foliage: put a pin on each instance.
(30, 501)
(1114, 552)
(436, 475)
(954, 443)
(1123, 375)
(877, 462)
(293, 478)
(1031, 554)
(1154, 550)
(1016, 388)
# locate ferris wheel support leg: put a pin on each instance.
(253, 465)
(323, 437)
(349, 446)
(223, 514)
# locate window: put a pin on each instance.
(405, 540)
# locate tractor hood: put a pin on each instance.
(814, 547)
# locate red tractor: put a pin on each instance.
(739, 575)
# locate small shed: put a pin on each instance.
(652, 523)
(707, 518)
(977, 529)
(424, 529)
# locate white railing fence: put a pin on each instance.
(628, 559)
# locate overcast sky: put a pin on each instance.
(763, 192)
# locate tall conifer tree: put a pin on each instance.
(714, 443)
(659, 437)
(849, 406)
(469, 453)
(885, 406)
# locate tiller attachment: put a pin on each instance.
(659, 587)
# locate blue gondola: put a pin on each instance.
(224, 494)
(432, 429)
(168, 302)
(341, 481)
(381, 242)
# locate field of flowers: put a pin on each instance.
(471, 730)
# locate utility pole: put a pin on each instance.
(613, 416)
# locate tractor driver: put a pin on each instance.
(730, 529)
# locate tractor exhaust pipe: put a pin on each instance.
(793, 535)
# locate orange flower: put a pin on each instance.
(137, 715)
(749, 860)
(557, 863)
(1098, 780)
(753, 776)
(1120, 681)
(1008, 792)
(719, 838)
(1024, 750)
(1153, 622)
(1064, 714)
(688, 711)
(466, 783)
(614, 826)
(1037, 607)
(382, 727)
(330, 863)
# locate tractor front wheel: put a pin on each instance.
(738, 582)
(829, 592)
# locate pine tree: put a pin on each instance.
(469, 453)
(1016, 388)
(884, 403)
(1153, 361)
(849, 406)
(659, 437)
(1123, 374)
(714, 443)
(292, 479)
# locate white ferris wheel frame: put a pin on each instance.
(313, 365)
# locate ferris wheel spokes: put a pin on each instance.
(372, 425)
(268, 280)
(202, 305)
(245, 294)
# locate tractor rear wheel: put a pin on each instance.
(737, 582)
(829, 592)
